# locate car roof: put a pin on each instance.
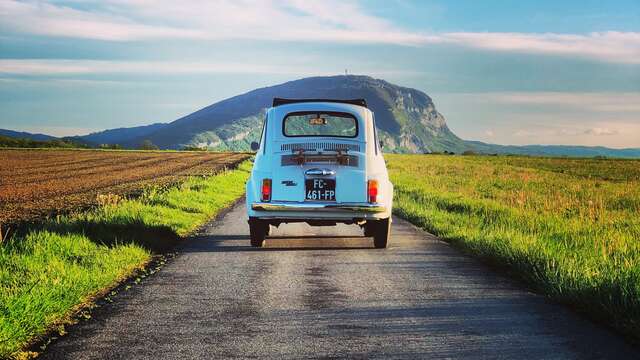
(282, 110)
(282, 101)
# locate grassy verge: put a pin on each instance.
(50, 269)
(570, 228)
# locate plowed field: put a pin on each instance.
(36, 183)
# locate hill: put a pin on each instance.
(25, 135)
(407, 118)
(120, 135)
(553, 150)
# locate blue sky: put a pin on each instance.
(508, 72)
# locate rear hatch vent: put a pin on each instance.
(320, 146)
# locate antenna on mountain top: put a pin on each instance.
(346, 72)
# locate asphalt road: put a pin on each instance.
(311, 294)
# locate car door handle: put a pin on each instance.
(320, 172)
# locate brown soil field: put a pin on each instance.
(39, 183)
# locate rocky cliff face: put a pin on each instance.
(420, 127)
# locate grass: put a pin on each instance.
(51, 269)
(568, 227)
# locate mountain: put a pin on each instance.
(407, 118)
(25, 135)
(407, 121)
(120, 135)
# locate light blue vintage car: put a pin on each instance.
(319, 161)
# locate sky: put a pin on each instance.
(505, 72)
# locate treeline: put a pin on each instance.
(6, 142)
(67, 143)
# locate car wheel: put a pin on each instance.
(382, 230)
(257, 232)
(369, 228)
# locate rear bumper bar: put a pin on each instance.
(319, 207)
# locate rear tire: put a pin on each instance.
(257, 231)
(381, 232)
(369, 228)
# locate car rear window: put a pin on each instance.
(333, 124)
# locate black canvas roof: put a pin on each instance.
(281, 101)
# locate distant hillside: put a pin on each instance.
(553, 150)
(120, 135)
(25, 135)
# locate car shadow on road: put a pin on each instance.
(240, 243)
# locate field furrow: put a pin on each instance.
(38, 183)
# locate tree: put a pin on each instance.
(148, 145)
(111, 146)
(193, 148)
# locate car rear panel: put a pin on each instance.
(328, 159)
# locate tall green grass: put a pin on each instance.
(569, 227)
(50, 269)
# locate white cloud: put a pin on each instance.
(67, 67)
(621, 47)
(287, 20)
(606, 102)
(291, 20)
(599, 118)
(619, 134)
(78, 67)
(525, 133)
(41, 18)
(489, 133)
(601, 131)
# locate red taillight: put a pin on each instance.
(266, 189)
(372, 190)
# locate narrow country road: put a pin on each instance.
(311, 294)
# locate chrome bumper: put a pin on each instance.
(318, 207)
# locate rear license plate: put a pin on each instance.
(320, 189)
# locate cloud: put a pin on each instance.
(601, 132)
(291, 20)
(489, 133)
(78, 71)
(611, 46)
(594, 119)
(525, 133)
(559, 132)
(41, 18)
(605, 102)
(287, 20)
(80, 68)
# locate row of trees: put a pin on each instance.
(6, 142)
(9, 142)
(145, 145)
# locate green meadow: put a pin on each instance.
(569, 228)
